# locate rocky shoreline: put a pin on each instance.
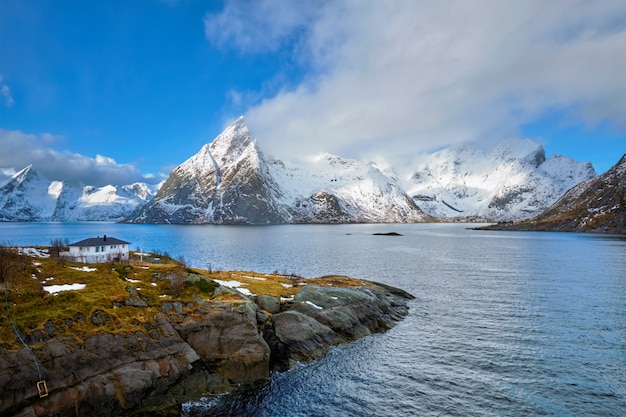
(191, 349)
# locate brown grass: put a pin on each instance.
(110, 285)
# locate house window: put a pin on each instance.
(97, 248)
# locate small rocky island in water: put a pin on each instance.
(143, 336)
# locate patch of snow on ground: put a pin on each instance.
(286, 298)
(154, 284)
(134, 281)
(54, 289)
(34, 252)
(314, 305)
(229, 284)
(84, 269)
(257, 278)
(234, 284)
(286, 285)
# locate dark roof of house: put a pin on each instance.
(100, 241)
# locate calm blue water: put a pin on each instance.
(505, 323)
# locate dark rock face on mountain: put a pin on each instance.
(597, 205)
(192, 349)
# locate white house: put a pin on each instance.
(98, 249)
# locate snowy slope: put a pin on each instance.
(596, 205)
(108, 203)
(512, 181)
(29, 196)
(328, 188)
(231, 181)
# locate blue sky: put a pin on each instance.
(120, 91)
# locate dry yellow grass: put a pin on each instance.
(108, 286)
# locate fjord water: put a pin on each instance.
(504, 323)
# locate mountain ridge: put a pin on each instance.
(29, 196)
(513, 181)
(231, 181)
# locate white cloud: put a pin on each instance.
(18, 150)
(410, 76)
(5, 91)
(258, 26)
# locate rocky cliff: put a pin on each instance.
(180, 350)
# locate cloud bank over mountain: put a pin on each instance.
(18, 149)
(402, 77)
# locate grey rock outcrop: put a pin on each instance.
(324, 316)
(187, 351)
(227, 339)
(104, 376)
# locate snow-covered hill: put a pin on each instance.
(29, 196)
(512, 181)
(231, 181)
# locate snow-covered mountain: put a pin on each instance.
(596, 205)
(512, 181)
(331, 189)
(231, 181)
(29, 196)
